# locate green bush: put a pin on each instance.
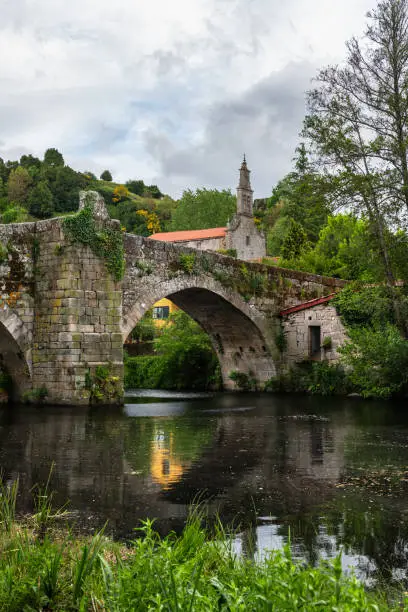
(378, 360)
(243, 381)
(103, 386)
(364, 306)
(228, 252)
(187, 262)
(316, 378)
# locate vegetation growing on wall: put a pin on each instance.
(106, 243)
(103, 386)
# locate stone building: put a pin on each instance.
(313, 330)
(240, 235)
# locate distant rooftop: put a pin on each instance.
(187, 235)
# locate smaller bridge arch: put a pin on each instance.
(15, 351)
(237, 334)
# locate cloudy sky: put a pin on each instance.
(171, 91)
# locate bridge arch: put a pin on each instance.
(238, 334)
(15, 350)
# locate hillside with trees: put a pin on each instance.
(33, 188)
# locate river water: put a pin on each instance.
(325, 474)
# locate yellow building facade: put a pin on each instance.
(162, 310)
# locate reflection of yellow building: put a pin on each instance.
(165, 467)
(162, 310)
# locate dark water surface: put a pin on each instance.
(327, 473)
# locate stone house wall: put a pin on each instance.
(206, 244)
(296, 328)
(245, 238)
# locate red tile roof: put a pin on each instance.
(186, 235)
(306, 305)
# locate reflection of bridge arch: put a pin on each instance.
(15, 350)
(237, 332)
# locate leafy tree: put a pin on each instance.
(136, 187)
(4, 171)
(304, 194)
(152, 191)
(29, 161)
(65, 185)
(203, 208)
(358, 124)
(296, 241)
(106, 176)
(378, 360)
(164, 210)
(40, 201)
(14, 213)
(277, 234)
(52, 157)
(360, 306)
(19, 184)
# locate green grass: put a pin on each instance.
(190, 572)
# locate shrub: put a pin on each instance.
(228, 252)
(35, 396)
(367, 306)
(187, 262)
(378, 359)
(103, 385)
(327, 342)
(243, 381)
(316, 378)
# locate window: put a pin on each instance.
(165, 467)
(161, 312)
(247, 240)
(314, 341)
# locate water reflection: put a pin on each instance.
(273, 465)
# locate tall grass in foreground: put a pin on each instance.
(189, 573)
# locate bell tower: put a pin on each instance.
(244, 192)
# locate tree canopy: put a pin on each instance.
(203, 208)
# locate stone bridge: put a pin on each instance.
(62, 314)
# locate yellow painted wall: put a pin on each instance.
(172, 308)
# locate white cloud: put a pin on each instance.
(171, 92)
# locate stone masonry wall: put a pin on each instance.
(77, 316)
(209, 244)
(296, 329)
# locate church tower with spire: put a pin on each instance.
(242, 235)
(244, 191)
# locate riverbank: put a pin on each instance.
(190, 572)
(44, 567)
